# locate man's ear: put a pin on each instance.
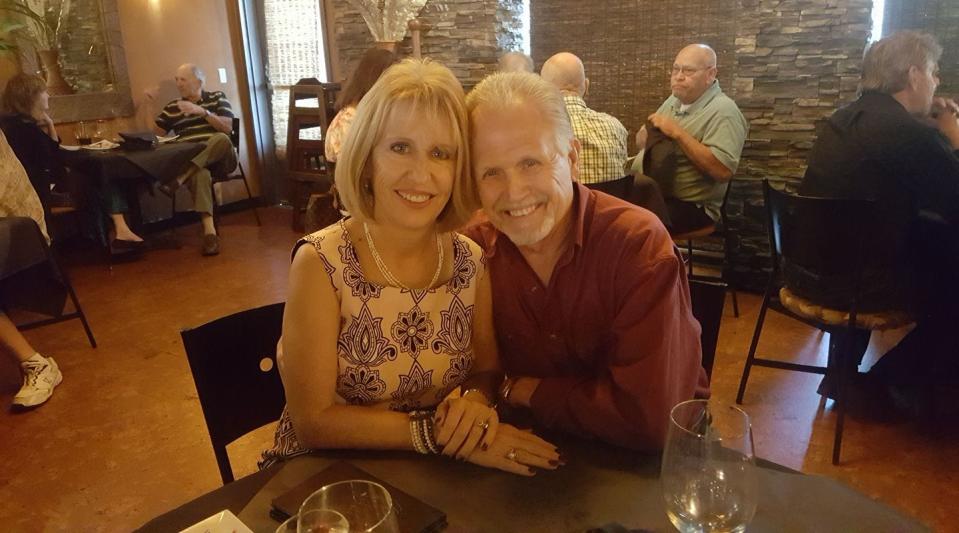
(573, 156)
(711, 74)
(585, 87)
(914, 75)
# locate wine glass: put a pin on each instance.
(367, 506)
(321, 521)
(81, 133)
(709, 471)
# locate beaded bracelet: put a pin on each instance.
(421, 431)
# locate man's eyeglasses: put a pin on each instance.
(687, 71)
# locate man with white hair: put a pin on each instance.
(708, 131)
(515, 62)
(203, 117)
(897, 144)
(592, 312)
(602, 138)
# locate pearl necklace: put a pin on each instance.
(390, 278)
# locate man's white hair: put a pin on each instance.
(505, 90)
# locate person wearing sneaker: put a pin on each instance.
(40, 374)
(202, 117)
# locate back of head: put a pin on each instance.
(21, 93)
(507, 90)
(515, 62)
(429, 88)
(885, 65)
(565, 71)
(371, 66)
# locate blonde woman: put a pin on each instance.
(390, 311)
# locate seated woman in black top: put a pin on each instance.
(33, 137)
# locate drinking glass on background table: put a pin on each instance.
(709, 471)
(82, 134)
(367, 506)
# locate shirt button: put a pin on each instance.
(553, 336)
(532, 289)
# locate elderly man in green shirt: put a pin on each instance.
(709, 131)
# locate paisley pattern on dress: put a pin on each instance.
(456, 329)
(397, 349)
(412, 386)
(412, 331)
(363, 342)
(353, 271)
(458, 371)
(464, 270)
(360, 385)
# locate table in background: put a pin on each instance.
(599, 486)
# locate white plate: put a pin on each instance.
(222, 522)
(69, 148)
(162, 140)
(101, 145)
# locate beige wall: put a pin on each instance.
(160, 35)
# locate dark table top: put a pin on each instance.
(600, 485)
(162, 163)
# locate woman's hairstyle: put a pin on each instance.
(22, 92)
(371, 66)
(430, 88)
(885, 66)
(505, 90)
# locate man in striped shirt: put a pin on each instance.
(203, 117)
(602, 137)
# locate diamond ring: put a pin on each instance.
(511, 454)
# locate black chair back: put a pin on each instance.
(235, 133)
(825, 248)
(233, 360)
(708, 299)
(620, 187)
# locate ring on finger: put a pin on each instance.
(484, 425)
(511, 454)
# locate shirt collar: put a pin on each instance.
(711, 92)
(574, 99)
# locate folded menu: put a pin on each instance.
(412, 514)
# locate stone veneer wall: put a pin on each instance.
(468, 36)
(788, 63)
(938, 17)
(83, 53)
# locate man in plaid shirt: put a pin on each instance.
(603, 137)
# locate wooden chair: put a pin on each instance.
(707, 231)
(708, 299)
(308, 170)
(233, 360)
(29, 249)
(830, 239)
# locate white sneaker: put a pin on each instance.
(39, 380)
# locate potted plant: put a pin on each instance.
(40, 23)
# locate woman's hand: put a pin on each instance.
(517, 451)
(463, 424)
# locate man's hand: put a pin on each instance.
(668, 126)
(189, 108)
(946, 113)
(641, 137)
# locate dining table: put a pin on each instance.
(601, 488)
